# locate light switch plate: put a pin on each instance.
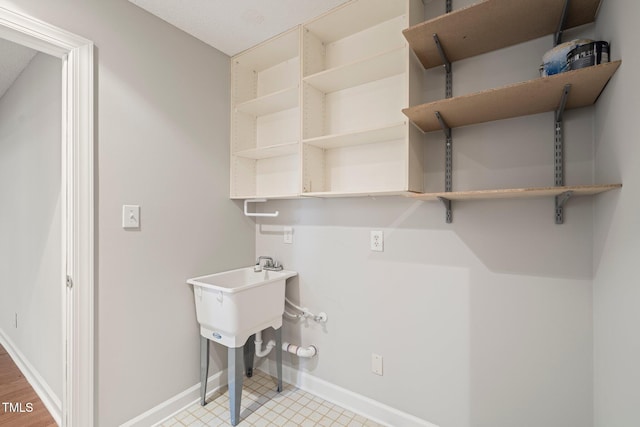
(288, 235)
(130, 216)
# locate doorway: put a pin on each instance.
(76, 205)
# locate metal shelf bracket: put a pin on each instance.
(447, 67)
(447, 206)
(561, 199)
(557, 38)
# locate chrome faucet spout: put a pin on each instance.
(269, 264)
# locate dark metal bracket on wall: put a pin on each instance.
(448, 166)
(557, 37)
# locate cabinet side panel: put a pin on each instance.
(313, 53)
(243, 83)
(313, 169)
(313, 106)
(416, 12)
(243, 132)
(415, 159)
(243, 177)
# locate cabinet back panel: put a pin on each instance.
(354, 17)
(277, 176)
(281, 76)
(272, 52)
(366, 106)
(370, 167)
(383, 37)
(278, 128)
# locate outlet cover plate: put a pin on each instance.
(376, 364)
(377, 241)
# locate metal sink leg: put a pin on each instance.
(236, 375)
(204, 368)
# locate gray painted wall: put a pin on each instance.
(483, 322)
(30, 222)
(162, 138)
(617, 229)
(487, 321)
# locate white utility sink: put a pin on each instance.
(233, 305)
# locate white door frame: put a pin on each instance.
(77, 204)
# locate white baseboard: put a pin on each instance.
(33, 377)
(178, 403)
(347, 399)
(369, 408)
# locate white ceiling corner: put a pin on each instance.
(233, 26)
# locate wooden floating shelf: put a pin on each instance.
(518, 193)
(357, 73)
(368, 136)
(270, 151)
(271, 103)
(493, 24)
(531, 97)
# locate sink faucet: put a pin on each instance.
(269, 264)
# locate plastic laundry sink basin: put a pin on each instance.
(233, 305)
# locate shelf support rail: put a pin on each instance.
(447, 67)
(557, 38)
(559, 154)
(448, 166)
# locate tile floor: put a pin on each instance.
(263, 406)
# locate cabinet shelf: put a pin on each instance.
(368, 136)
(376, 67)
(271, 103)
(518, 193)
(531, 97)
(493, 24)
(326, 194)
(269, 151)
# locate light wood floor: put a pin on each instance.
(14, 388)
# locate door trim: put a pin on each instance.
(77, 204)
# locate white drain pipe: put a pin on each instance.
(291, 348)
(300, 351)
(258, 342)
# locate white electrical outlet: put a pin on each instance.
(288, 235)
(376, 364)
(377, 241)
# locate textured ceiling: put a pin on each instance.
(13, 59)
(232, 26)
